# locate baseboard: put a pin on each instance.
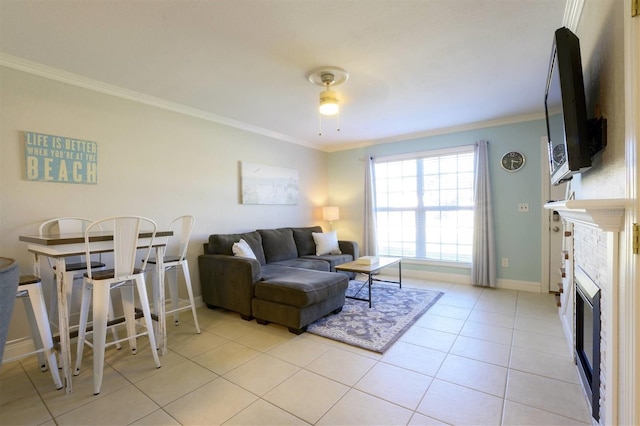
(436, 276)
(16, 349)
(530, 286)
(198, 301)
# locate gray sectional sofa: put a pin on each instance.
(287, 283)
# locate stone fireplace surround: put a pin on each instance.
(592, 237)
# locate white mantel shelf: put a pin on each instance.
(605, 214)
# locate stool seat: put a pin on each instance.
(166, 259)
(28, 279)
(106, 274)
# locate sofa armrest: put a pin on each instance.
(228, 281)
(349, 247)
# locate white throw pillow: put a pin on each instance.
(242, 248)
(326, 243)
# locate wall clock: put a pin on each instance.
(558, 154)
(512, 161)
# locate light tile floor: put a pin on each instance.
(477, 357)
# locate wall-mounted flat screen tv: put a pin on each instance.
(566, 110)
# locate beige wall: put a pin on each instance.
(151, 162)
(601, 33)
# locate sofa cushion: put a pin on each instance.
(223, 244)
(304, 240)
(326, 243)
(278, 244)
(331, 259)
(298, 287)
(313, 263)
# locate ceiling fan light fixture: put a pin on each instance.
(328, 77)
(329, 102)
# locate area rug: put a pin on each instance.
(394, 310)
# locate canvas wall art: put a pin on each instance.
(262, 184)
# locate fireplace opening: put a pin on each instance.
(587, 325)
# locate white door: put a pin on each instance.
(556, 193)
(552, 232)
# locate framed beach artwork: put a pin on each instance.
(262, 184)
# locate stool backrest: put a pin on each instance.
(179, 242)
(126, 231)
(65, 225)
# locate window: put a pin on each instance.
(424, 205)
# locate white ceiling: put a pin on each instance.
(417, 67)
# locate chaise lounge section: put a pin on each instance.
(287, 283)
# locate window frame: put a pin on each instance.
(418, 156)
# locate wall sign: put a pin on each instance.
(52, 158)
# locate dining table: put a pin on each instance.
(60, 246)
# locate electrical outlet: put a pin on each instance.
(505, 262)
(523, 207)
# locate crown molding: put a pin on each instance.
(436, 132)
(572, 14)
(56, 74)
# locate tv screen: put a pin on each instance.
(565, 109)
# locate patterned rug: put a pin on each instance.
(394, 310)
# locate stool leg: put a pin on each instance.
(155, 291)
(187, 280)
(82, 326)
(101, 295)
(35, 332)
(146, 312)
(42, 321)
(53, 304)
(172, 277)
(114, 331)
(128, 305)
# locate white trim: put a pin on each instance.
(437, 263)
(629, 356)
(438, 152)
(572, 14)
(545, 240)
(51, 73)
(437, 276)
(528, 286)
(442, 131)
(17, 349)
(605, 214)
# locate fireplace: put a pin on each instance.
(587, 342)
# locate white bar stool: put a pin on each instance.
(30, 291)
(176, 258)
(126, 230)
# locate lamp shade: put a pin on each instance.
(329, 102)
(331, 213)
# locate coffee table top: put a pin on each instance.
(354, 266)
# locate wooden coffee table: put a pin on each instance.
(370, 270)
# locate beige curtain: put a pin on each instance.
(483, 259)
(370, 241)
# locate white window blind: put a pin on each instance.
(424, 205)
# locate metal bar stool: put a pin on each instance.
(126, 230)
(176, 258)
(30, 291)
